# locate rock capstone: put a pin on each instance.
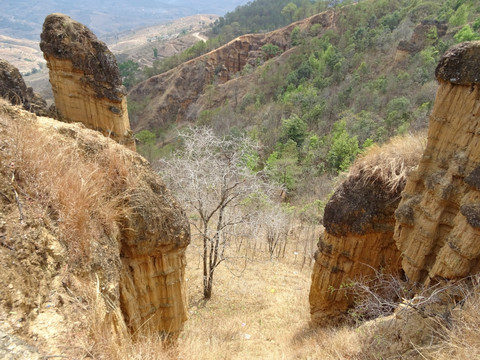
(358, 240)
(155, 235)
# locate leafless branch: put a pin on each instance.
(209, 176)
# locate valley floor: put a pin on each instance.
(257, 311)
(261, 312)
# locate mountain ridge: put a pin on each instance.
(108, 16)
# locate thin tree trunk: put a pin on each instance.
(205, 259)
(207, 291)
(213, 256)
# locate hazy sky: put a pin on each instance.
(24, 18)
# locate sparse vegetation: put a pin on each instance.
(462, 338)
(261, 312)
(214, 177)
(260, 306)
(83, 195)
(343, 90)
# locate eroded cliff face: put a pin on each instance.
(91, 241)
(438, 219)
(14, 89)
(85, 78)
(427, 32)
(359, 224)
(173, 95)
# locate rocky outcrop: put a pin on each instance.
(14, 89)
(437, 221)
(438, 227)
(91, 241)
(173, 95)
(359, 224)
(427, 32)
(85, 78)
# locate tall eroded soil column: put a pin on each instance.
(85, 78)
(438, 219)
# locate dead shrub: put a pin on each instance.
(381, 294)
(439, 321)
(376, 296)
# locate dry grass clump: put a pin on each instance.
(71, 183)
(462, 331)
(391, 162)
(79, 193)
(108, 338)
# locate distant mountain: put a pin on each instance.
(24, 18)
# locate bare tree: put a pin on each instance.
(213, 178)
(277, 222)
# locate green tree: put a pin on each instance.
(313, 162)
(289, 10)
(295, 36)
(129, 71)
(155, 53)
(147, 144)
(391, 20)
(476, 24)
(295, 129)
(344, 148)
(460, 16)
(282, 166)
(146, 137)
(270, 51)
(466, 34)
(398, 113)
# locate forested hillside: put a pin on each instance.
(318, 103)
(266, 15)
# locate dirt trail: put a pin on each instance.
(200, 37)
